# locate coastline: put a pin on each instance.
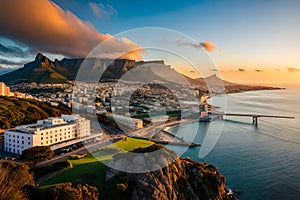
(213, 107)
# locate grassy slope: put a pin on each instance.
(90, 169)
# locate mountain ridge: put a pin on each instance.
(44, 70)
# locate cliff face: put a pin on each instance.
(180, 179)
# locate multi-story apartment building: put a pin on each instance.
(46, 132)
(4, 90)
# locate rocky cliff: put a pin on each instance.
(165, 176)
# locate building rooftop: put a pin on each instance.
(51, 122)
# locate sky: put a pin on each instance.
(250, 41)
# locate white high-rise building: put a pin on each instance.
(46, 132)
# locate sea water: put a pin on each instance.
(262, 162)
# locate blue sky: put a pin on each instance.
(253, 35)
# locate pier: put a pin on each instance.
(254, 116)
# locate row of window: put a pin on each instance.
(14, 141)
(56, 135)
(13, 150)
(56, 140)
(56, 131)
(9, 145)
(14, 136)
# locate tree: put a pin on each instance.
(80, 192)
(37, 154)
(13, 178)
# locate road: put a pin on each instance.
(85, 149)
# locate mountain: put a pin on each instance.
(165, 176)
(44, 70)
(4, 70)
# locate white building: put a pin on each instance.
(126, 123)
(46, 132)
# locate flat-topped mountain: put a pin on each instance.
(44, 70)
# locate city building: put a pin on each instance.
(4, 90)
(50, 131)
(126, 123)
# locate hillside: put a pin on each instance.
(15, 111)
(167, 177)
(44, 70)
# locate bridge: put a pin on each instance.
(254, 116)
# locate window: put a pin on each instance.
(42, 138)
(28, 143)
(14, 136)
(17, 136)
(41, 143)
(42, 134)
(22, 142)
(28, 138)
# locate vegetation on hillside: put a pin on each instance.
(14, 178)
(15, 111)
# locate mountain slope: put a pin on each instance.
(43, 70)
(165, 176)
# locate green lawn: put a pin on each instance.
(90, 169)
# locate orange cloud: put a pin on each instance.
(208, 46)
(46, 27)
(293, 69)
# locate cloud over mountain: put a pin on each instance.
(45, 26)
(208, 46)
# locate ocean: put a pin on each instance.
(261, 162)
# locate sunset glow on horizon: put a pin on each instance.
(247, 41)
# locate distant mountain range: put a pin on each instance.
(4, 70)
(44, 70)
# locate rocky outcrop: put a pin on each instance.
(165, 176)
